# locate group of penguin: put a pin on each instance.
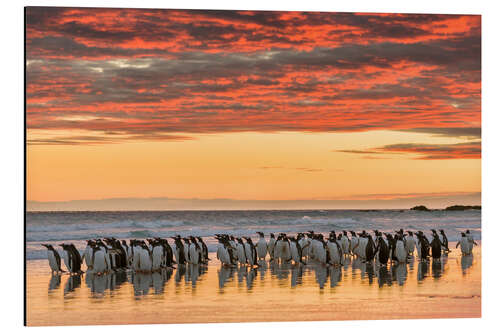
(111, 254)
(152, 255)
(311, 246)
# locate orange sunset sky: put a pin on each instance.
(177, 109)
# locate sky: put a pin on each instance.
(186, 109)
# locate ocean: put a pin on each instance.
(76, 227)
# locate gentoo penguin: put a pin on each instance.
(157, 256)
(87, 254)
(465, 245)
(285, 254)
(54, 259)
(145, 261)
(296, 250)
(186, 249)
(99, 260)
(128, 251)
(435, 245)
(320, 252)
(70, 259)
(180, 255)
(240, 251)
(194, 251)
(400, 251)
(444, 240)
(261, 246)
(278, 247)
(270, 246)
(334, 251)
(362, 242)
(382, 250)
(370, 249)
(423, 246)
(344, 242)
(354, 242)
(250, 252)
(168, 253)
(470, 239)
(204, 250)
(223, 253)
(410, 243)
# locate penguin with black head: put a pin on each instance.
(435, 246)
(54, 259)
(444, 240)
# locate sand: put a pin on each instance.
(447, 289)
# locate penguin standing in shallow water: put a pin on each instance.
(435, 245)
(444, 240)
(464, 244)
(251, 252)
(382, 250)
(270, 246)
(54, 259)
(261, 246)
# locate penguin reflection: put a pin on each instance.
(297, 272)
(466, 262)
(225, 273)
(55, 282)
(158, 282)
(142, 283)
(194, 273)
(384, 277)
(423, 269)
(370, 272)
(399, 272)
(321, 273)
(73, 282)
(436, 268)
(98, 283)
(179, 274)
(250, 277)
(262, 269)
(335, 276)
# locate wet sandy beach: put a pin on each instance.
(274, 292)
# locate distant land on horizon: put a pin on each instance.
(432, 201)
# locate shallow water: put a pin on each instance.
(449, 288)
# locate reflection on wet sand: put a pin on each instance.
(288, 275)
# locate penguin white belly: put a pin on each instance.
(240, 252)
(285, 251)
(87, 256)
(270, 247)
(186, 253)
(224, 256)
(136, 260)
(400, 251)
(465, 246)
(362, 247)
(261, 248)
(248, 254)
(66, 260)
(410, 245)
(144, 261)
(345, 244)
(355, 245)
(52, 261)
(100, 265)
(334, 253)
(277, 249)
(294, 252)
(193, 254)
(157, 257)
(320, 253)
